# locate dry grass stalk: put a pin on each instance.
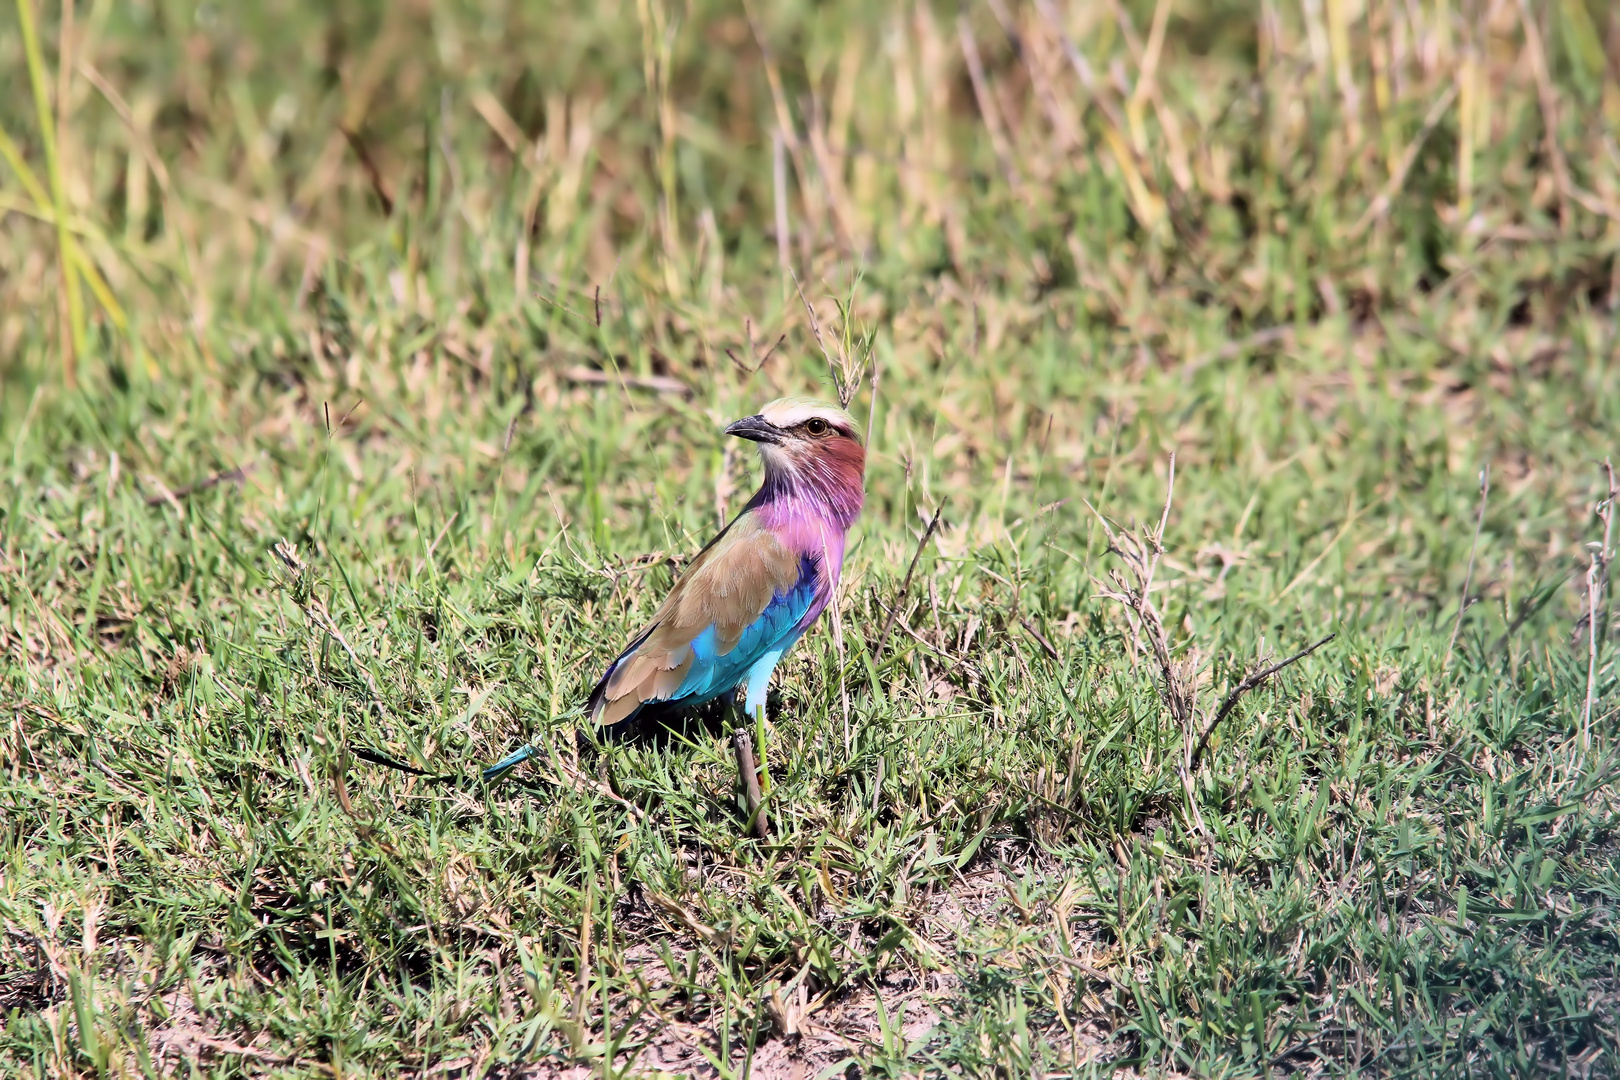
(316, 612)
(1146, 203)
(1249, 682)
(71, 306)
(784, 257)
(987, 105)
(1381, 203)
(1479, 521)
(1597, 585)
(849, 356)
(1548, 97)
(905, 586)
(1141, 551)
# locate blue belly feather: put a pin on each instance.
(774, 631)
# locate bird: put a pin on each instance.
(751, 593)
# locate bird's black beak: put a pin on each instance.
(755, 429)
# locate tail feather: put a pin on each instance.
(508, 763)
(494, 772)
(377, 757)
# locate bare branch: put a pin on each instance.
(815, 327)
(905, 586)
(230, 476)
(1597, 581)
(1040, 639)
(1244, 687)
(316, 612)
(1169, 496)
(1462, 601)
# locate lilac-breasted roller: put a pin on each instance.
(754, 589)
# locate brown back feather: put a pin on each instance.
(728, 586)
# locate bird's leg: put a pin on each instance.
(750, 781)
(759, 736)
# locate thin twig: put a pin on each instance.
(1040, 639)
(229, 476)
(315, 610)
(1381, 202)
(908, 631)
(1597, 577)
(905, 586)
(1606, 512)
(1592, 649)
(1462, 601)
(1244, 687)
(752, 370)
(374, 176)
(658, 384)
(1169, 497)
(1548, 96)
(1141, 552)
(815, 327)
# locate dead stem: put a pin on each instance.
(316, 612)
(1141, 552)
(905, 586)
(1597, 581)
(1462, 601)
(1249, 683)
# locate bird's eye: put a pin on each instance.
(816, 426)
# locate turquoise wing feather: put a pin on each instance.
(744, 595)
(713, 673)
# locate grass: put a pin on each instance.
(453, 299)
